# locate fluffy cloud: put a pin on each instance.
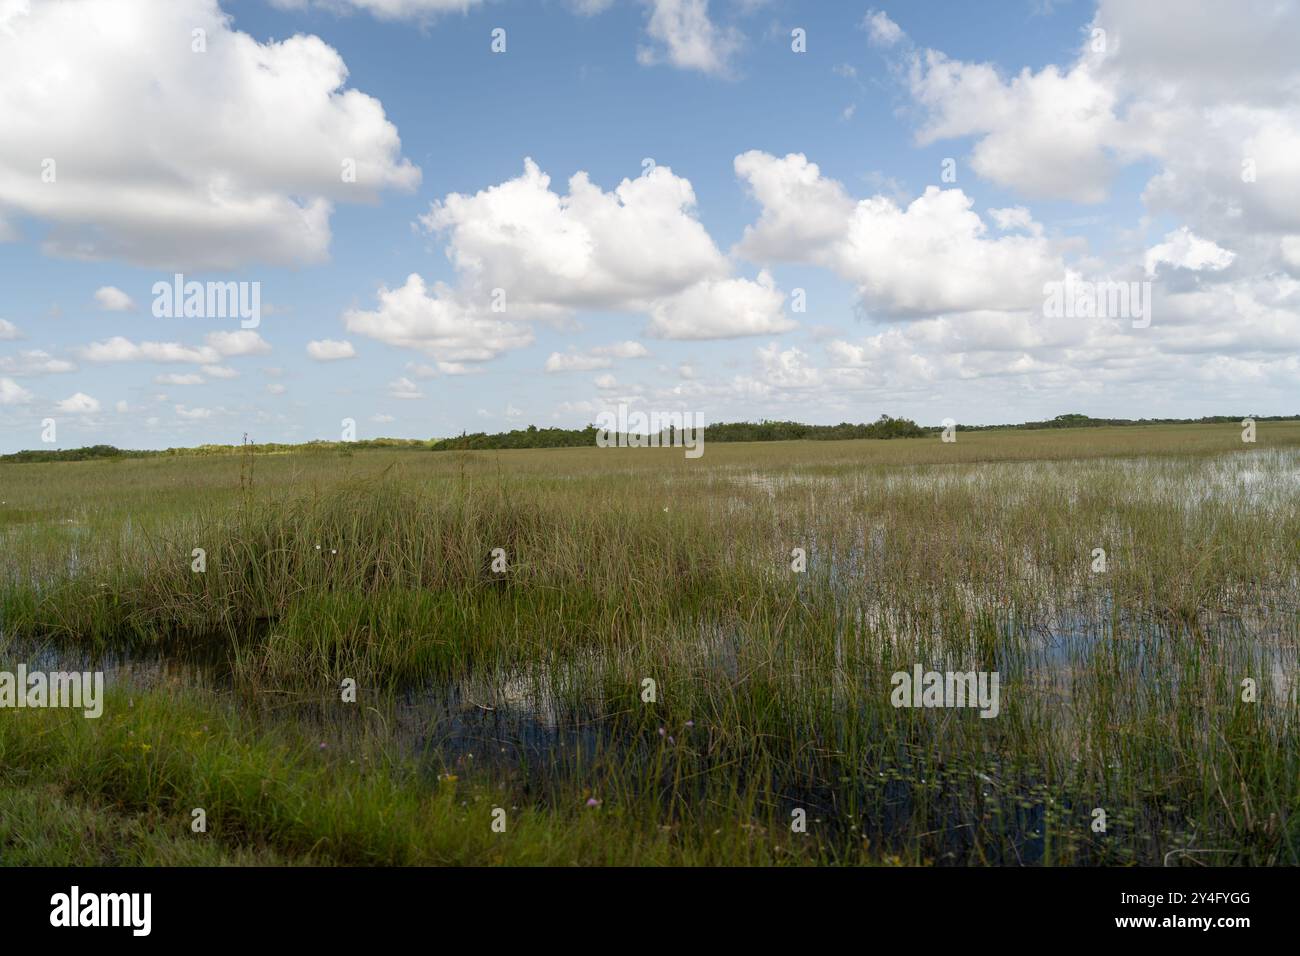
(437, 322)
(241, 159)
(79, 404)
(638, 248)
(1250, 317)
(586, 249)
(235, 344)
(121, 349)
(421, 370)
(1044, 134)
(1052, 360)
(1211, 103)
(933, 256)
(1210, 99)
(112, 299)
(801, 209)
(623, 350)
(34, 362)
(218, 345)
(1182, 250)
(788, 369)
(11, 393)
(685, 37)
(721, 309)
(177, 378)
(883, 31)
(602, 356)
(8, 331)
(577, 362)
(330, 350)
(404, 388)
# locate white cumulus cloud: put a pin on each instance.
(240, 160)
(404, 388)
(638, 248)
(883, 31)
(178, 378)
(330, 350)
(685, 36)
(32, 362)
(437, 322)
(11, 393)
(1183, 250)
(79, 404)
(218, 345)
(934, 255)
(112, 299)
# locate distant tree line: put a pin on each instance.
(85, 453)
(91, 452)
(1077, 420)
(530, 437)
(534, 437)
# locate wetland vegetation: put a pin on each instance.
(525, 690)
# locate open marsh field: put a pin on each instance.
(650, 680)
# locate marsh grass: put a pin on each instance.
(1119, 690)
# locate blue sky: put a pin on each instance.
(1095, 163)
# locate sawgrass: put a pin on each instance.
(1120, 690)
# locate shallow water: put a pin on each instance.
(546, 721)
